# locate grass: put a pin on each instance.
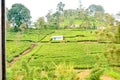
(54, 55)
(72, 35)
(81, 55)
(47, 55)
(14, 49)
(28, 35)
(111, 72)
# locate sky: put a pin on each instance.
(40, 8)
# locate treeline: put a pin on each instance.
(91, 17)
(88, 18)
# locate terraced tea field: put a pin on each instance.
(72, 35)
(79, 50)
(31, 35)
(15, 49)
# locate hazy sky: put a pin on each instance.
(40, 7)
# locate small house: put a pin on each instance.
(57, 37)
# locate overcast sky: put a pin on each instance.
(40, 7)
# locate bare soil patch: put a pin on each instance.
(107, 78)
(82, 75)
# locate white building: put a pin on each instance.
(57, 37)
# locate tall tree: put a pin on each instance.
(80, 4)
(97, 12)
(60, 7)
(59, 13)
(95, 8)
(50, 18)
(18, 15)
(40, 22)
(49, 15)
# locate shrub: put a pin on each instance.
(95, 74)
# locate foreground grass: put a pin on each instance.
(55, 58)
(46, 56)
(15, 48)
(50, 56)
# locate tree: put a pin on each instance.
(22, 27)
(95, 8)
(40, 22)
(18, 15)
(51, 19)
(80, 4)
(112, 54)
(59, 13)
(117, 34)
(49, 16)
(60, 6)
(85, 24)
(109, 19)
(97, 12)
(7, 22)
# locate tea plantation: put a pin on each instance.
(78, 50)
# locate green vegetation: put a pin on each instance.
(95, 74)
(32, 35)
(90, 41)
(77, 50)
(19, 16)
(112, 73)
(44, 56)
(65, 54)
(15, 49)
(73, 35)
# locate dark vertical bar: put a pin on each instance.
(3, 40)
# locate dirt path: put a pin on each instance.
(85, 73)
(82, 75)
(24, 53)
(106, 78)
